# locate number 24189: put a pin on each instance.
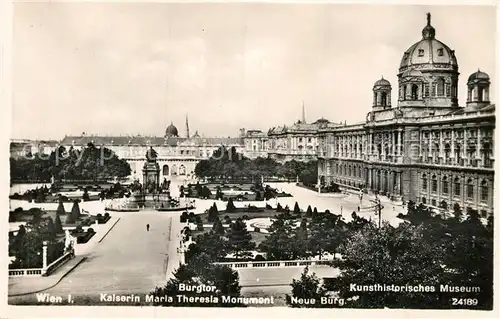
(464, 301)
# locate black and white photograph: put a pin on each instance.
(252, 155)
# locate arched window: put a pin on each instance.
(165, 170)
(383, 99)
(424, 182)
(434, 184)
(414, 92)
(470, 189)
(447, 151)
(445, 185)
(484, 191)
(440, 87)
(456, 183)
(349, 171)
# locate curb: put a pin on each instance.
(109, 230)
(55, 284)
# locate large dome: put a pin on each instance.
(429, 53)
(171, 131)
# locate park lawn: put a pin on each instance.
(240, 213)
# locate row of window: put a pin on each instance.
(444, 204)
(457, 187)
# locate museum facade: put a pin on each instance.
(427, 148)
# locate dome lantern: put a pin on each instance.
(478, 89)
(381, 94)
(428, 32)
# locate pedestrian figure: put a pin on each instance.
(147, 227)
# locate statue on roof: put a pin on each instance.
(151, 155)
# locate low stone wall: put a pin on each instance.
(37, 272)
(275, 264)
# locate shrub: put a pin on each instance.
(259, 258)
(245, 217)
(90, 230)
(99, 216)
(400, 215)
(256, 229)
(79, 229)
(106, 215)
(227, 219)
(18, 210)
(268, 206)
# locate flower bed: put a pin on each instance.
(83, 237)
(102, 219)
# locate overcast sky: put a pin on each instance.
(127, 68)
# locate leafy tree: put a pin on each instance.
(279, 244)
(58, 225)
(60, 209)
(199, 189)
(308, 287)
(258, 196)
(457, 212)
(85, 196)
(301, 239)
(279, 208)
(223, 278)
(199, 223)
(211, 244)
(296, 209)
(314, 212)
(400, 256)
(219, 193)
(213, 213)
(218, 228)
(239, 238)
(205, 192)
(184, 217)
(325, 234)
(90, 163)
(309, 211)
(230, 208)
(74, 214)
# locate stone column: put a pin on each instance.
(383, 146)
(420, 141)
(369, 144)
(398, 145)
(441, 148)
(430, 145)
(452, 156)
(393, 151)
(477, 195)
(478, 148)
(44, 257)
(398, 183)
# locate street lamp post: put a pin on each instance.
(379, 207)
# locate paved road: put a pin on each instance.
(349, 203)
(128, 260)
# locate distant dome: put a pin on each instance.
(479, 75)
(171, 131)
(382, 82)
(428, 52)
